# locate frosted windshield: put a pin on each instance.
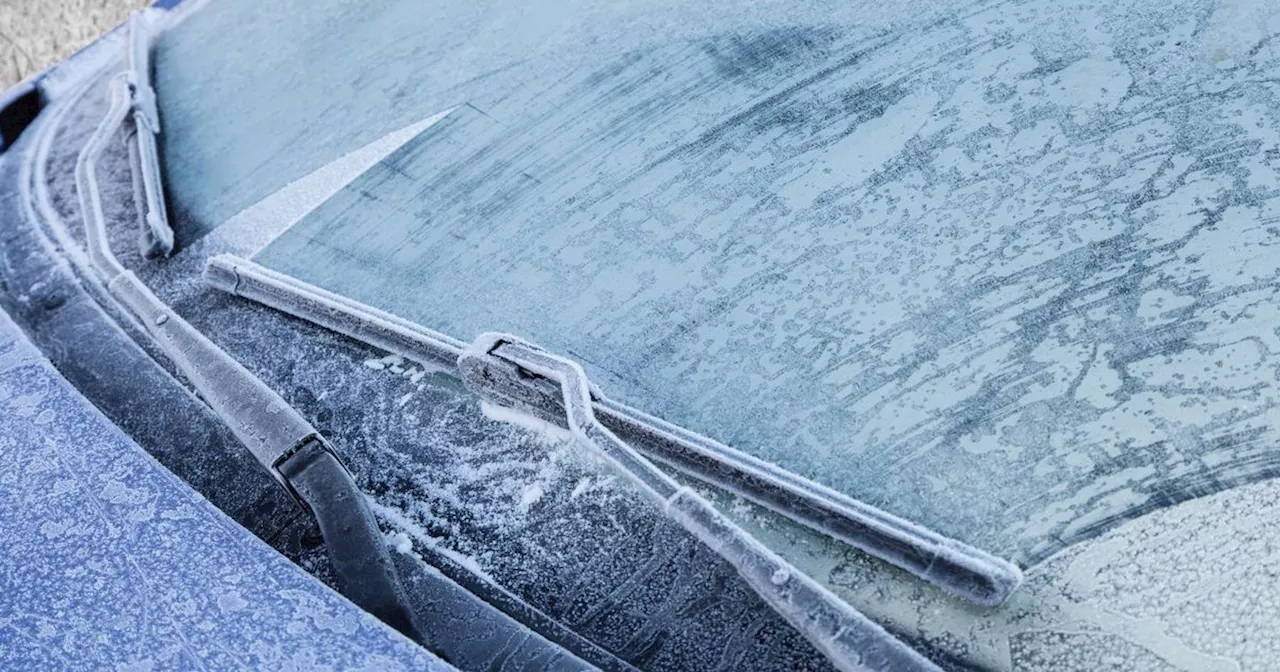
(1002, 274)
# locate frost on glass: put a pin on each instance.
(1006, 275)
(951, 565)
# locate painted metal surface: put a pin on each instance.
(107, 559)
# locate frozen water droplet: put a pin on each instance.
(780, 576)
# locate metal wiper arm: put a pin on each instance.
(957, 568)
(286, 445)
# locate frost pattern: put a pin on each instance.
(1006, 275)
(108, 560)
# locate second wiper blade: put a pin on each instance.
(272, 430)
(156, 236)
(953, 566)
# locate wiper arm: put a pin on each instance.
(293, 452)
(276, 434)
(849, 640)
(956, 567)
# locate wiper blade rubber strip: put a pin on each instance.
(156, 235)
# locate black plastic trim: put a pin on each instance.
(351, 535)
(18, 108)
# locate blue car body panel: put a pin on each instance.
(109, 560)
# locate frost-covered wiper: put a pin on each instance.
(156, 235)
(515, 373)
(499, 365)
(954, 566)
(286, 444)
(276, 434)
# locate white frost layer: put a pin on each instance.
(256, 226)
(546, 431)
(401, 367)
(400, 540)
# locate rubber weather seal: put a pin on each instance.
(953, 566)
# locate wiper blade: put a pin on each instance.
(287, 446)
(849, 639)
(156, 235)
(954, 566)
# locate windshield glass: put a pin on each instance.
(992, 269)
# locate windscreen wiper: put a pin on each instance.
(284, 443)
(514, 373)
(304, 463)
(290, 449)
(155, 236)
(954, 566)
(499, 365)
